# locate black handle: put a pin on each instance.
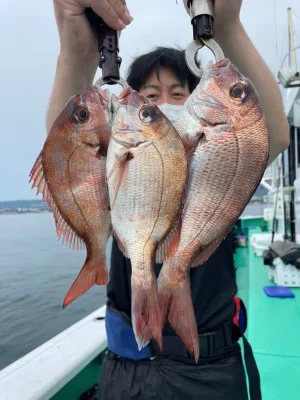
(203, 25)
(108, 47)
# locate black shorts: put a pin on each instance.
(221, 377)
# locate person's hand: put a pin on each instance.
(226, 14)
(78, 43)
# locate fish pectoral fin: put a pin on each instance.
(145, 144)
(168, 246)
(117, 172)
(122, 157)
(39, 181)
(204, 254)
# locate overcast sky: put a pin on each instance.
(29, 46)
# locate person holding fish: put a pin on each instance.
(173, 327)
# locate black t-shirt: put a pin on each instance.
(213, 287)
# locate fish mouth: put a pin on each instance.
(131, 99)
(219, 67)
(129, 144)
(123, 97)
(103, 95)
(210, 101)
(205, 123)
(225, 70)
(128, 130)
(114, 104)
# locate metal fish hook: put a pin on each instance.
(100, 82)
(192, 50)
(201, 13)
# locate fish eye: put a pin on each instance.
(238, 91)
(148, 114)
(81, 114)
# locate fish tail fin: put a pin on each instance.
(146, 316)
(177, 307)
(91, 273)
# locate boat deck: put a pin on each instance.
(273, 329)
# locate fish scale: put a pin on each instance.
(137, 207)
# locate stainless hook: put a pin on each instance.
(100, 82)
(192, 50)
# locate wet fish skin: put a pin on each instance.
(225, 132)
(70, 174)
(146, 171)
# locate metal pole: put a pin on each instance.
(292, 54)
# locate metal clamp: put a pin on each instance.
(201, 12)
(100, 82)
(110, 61)
(192, 50)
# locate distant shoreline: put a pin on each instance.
(23, 207)
(30, 211)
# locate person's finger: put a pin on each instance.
(119, 7)
(113, 12)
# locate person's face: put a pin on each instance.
(167, 89)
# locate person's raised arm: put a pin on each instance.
(78, 57)
(237, 46)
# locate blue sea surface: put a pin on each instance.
(36, 272)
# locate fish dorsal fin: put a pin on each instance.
(63, 229)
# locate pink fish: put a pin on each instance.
(225, 132)
(146, 172)
(70, 173)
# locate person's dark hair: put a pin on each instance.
(144, 65)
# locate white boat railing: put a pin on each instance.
(40, 374)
